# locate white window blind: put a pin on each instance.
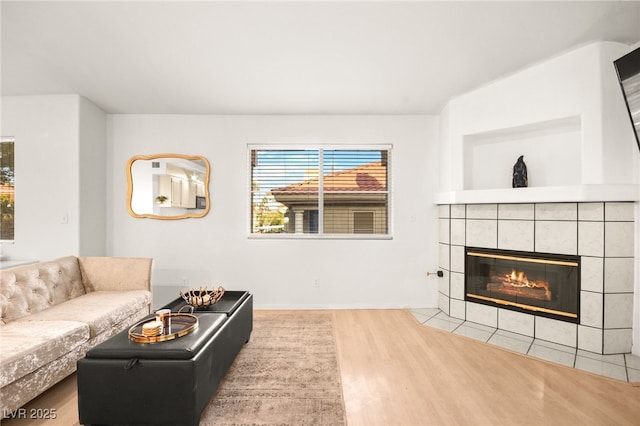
(320, 191)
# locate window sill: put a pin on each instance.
(318, 237)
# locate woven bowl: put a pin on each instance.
(202, 298)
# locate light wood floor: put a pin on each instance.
(398, 372)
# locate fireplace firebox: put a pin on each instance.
(536, 283)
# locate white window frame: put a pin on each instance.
(321, 235)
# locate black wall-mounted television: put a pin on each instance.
(628, 69)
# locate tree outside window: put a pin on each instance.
(7, 190)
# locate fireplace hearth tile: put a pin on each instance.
(618, 275)
(511, 341)
(591, 211)
(618, 310)
(457, 259)
(633, 375)
(549, 351)
(591, 239)
(458, 232)
(443, 256)
(482, 233)
(444, 322)
(429, 312)
(443, 284)
(556, 237)
(516, 211)
(591, 309)
(458, 211)
(444, 211)
(516, 322)
(443, 303)
(590, 339)
(443, 231)
(420, 318)
(424, 314)
(457, 309)
(617, 341)
(621, 212)
(591, 274)
(556, 211)
(475, 331)
(457, 285)
(555, 331)
(516, 235)
(583, 358)
(618, 241)
(632, 361)
(601, 368)
(482, 211)
(617, 359)
(482, 314)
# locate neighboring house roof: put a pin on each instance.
(370, 177)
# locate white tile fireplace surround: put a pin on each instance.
(601, 233)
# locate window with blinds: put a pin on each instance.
(320, 191)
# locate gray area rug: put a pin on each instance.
(286, 375)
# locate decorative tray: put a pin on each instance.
(180, 325)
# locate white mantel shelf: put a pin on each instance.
(556, 194)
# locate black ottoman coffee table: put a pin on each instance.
(121, 382)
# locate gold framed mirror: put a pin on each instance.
(168, 186)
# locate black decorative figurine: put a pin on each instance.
(520, 179)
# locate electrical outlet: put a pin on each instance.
(64, 219)
(316, 283)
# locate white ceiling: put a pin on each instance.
(297, 57)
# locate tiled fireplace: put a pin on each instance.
(561, 272)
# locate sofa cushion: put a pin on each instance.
(101, 310)
(27, 346)
(115, 273)
(28, 289)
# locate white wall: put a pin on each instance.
(55, 184)
(216, 250)
(46, 160)
(578, 85)
(93, 179)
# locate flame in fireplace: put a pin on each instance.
(517, 283)
(519, 279)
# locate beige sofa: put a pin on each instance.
(52, 312)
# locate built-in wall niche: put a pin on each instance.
(552, 151)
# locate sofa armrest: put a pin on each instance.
(115, 273)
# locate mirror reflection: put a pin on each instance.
(168, 186)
